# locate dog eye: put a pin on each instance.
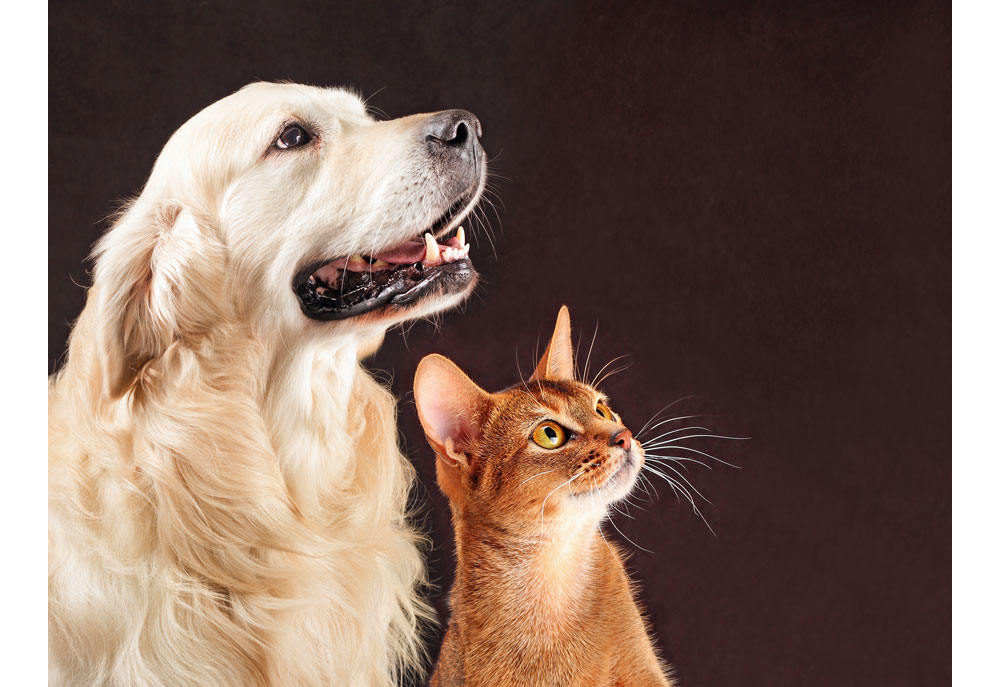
(293, 136)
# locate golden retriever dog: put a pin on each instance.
(227, 496)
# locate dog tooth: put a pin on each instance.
(461, 236)
(432, 253)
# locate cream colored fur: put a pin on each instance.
(227, 498)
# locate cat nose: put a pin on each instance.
(622, 438)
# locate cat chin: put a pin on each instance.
(617, 486)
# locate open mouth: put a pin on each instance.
(401, 275)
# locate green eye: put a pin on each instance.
(549, 435)
(605, 412)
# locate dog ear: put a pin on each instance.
(557, 361)
(450, 407)
(144, 274)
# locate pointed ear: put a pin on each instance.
(450, 407)
(153, 272)
(557, 361)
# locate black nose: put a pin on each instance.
(457, 131)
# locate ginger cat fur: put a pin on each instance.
(540, 597)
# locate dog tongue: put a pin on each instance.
(411, 251)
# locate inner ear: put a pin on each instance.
(450, 406)
(557, 361)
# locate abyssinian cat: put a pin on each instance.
(540, 597)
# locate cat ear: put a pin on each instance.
(449, 405)
(557, 361)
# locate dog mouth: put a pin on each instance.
(401, 275)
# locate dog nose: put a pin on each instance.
(622, 438)
(454, 130)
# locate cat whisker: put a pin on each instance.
(676, 459)
(672, 419)
(520, 374)
(576, 357)
(689, 428)
(545, 500)
(662, 410)
(517, 361)
(675, 485)
(626, 502)
(626, 538)
(624, 512)
(670, 483)
(701, 515)
(634, 504)
(686, 481)
(586, 367)
(660, 459)
(534, 476)
(610, 373)
(694, 436)
(707, 455)
(606, 365)
(643, 481)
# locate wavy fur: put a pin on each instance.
(227, 497)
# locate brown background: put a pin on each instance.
(752, 199)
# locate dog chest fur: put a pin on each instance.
(237, 526)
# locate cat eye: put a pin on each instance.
(549, 435)
(293, 136)
(605, 412)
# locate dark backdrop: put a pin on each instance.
(752, 199)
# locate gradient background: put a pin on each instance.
(751, 199)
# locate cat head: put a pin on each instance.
(548, 447)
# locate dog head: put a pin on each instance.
(287, 209)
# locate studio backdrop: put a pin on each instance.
(750, 202)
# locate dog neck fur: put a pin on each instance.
(222, 475)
